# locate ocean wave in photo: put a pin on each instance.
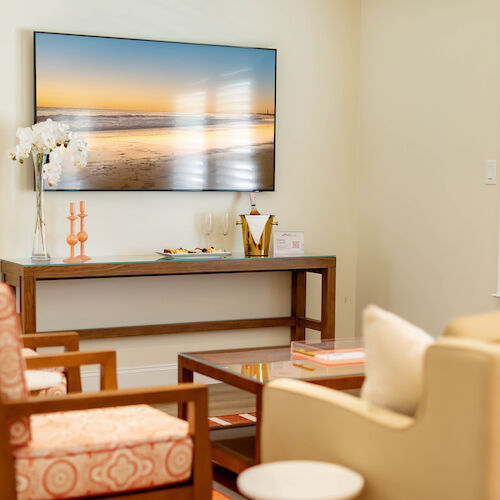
(86, 120)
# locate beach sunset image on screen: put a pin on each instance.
(160, 115)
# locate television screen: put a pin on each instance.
(160, 115)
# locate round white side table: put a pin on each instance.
(300, 480)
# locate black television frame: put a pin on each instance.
(180, 43)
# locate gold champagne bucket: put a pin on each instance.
(261, 248)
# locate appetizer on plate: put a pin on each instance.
(177, 251)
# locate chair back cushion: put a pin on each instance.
(395, 352)
(12, 364)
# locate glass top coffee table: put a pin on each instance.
(250, 369)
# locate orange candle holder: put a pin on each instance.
(72, 238)
(82, 235)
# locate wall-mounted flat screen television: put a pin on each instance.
(160, 115)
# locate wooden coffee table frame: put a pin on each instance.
(24, 279)
(223, 454)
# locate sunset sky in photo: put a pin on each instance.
(108, 73)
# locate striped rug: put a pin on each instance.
(227, 420)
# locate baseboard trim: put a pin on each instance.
(139, 376)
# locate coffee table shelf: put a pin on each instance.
(236, 453)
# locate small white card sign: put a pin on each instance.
(287, 243)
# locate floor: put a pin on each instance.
(225, 482)
(226, 400)
(223, 400)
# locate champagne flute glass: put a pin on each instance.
(208, 226)
(225, 227)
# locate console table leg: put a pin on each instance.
(28, 304)
(183, 376)
(298, 303)
(328, 303)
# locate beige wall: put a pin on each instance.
(430, 102)
(429, 92)
(317, 99)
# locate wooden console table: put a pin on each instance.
(22, 274)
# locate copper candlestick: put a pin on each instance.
(82, 235)
(72, 238)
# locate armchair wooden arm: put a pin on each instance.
(182, 393)
(69, 340)
(73, 360)
(195, 396)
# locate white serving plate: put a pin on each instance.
(188, 256)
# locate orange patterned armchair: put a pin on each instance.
(52, 381)
(110, 444)
(56, 381)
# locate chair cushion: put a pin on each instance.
(12, 364)
(48, 382)
(395, 352)
(102, 451)
(29, 353)
(56, 390)
(41, 381)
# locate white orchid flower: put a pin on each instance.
(53, 169)
(46, 138)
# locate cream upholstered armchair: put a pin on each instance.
(96, 445)
(449, 449)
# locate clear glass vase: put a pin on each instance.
(40, 252)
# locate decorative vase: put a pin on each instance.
(40, 251)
